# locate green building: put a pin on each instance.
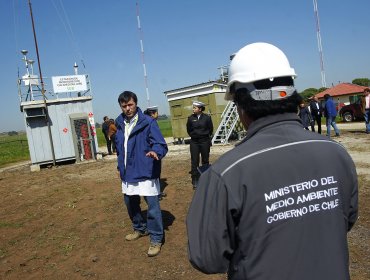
(212, 94)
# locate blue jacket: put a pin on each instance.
(144, 137)
(330, 110)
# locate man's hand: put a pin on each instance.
(152, 155)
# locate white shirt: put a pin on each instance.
(144, 188)
(129, 126)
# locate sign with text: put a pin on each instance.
(69, 83)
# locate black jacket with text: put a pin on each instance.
(277, 206)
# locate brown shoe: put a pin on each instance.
(154, 249)
(135, 235)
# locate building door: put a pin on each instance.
(82, 138)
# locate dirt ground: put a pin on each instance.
(69, 222)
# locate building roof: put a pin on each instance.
(196, 90)
(342, 89)
(200, 85)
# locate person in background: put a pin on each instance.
(305, 115)
(112, 134)
(279, 205)
(140, 148)
(330, 113)
(153, 113)
(200, 129)
(105, 129)
(365, 108)
(316, 112)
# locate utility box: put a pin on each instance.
(72, 129)
(60, 123)
(181, 105)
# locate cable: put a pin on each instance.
(16, 25)
(63, 16)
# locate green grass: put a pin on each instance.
(13, 149)
(100, 136)
(164, 126)
(10, 225)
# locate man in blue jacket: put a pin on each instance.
(140, 148)
(330, 113)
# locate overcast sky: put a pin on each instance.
(184, 43)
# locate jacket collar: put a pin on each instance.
(264, 122)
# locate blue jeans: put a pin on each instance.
(330, 121)
(367, 119)
(153, 223)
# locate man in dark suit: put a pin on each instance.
(316, 112)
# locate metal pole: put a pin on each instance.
(47, 120)
(142, 53)
(316, 11)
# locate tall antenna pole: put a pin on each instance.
(142, 52)
(323, 81)
(42, 85)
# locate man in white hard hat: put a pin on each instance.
(279, 205)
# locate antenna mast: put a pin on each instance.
(142, 52)
(42, 84)
(323, 81)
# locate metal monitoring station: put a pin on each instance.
(60, 123)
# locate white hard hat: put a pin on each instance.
(258, 61)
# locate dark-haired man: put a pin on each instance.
(316, 112)
(279, 205)
(105, 130)
(140, 148)
(330, 113)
